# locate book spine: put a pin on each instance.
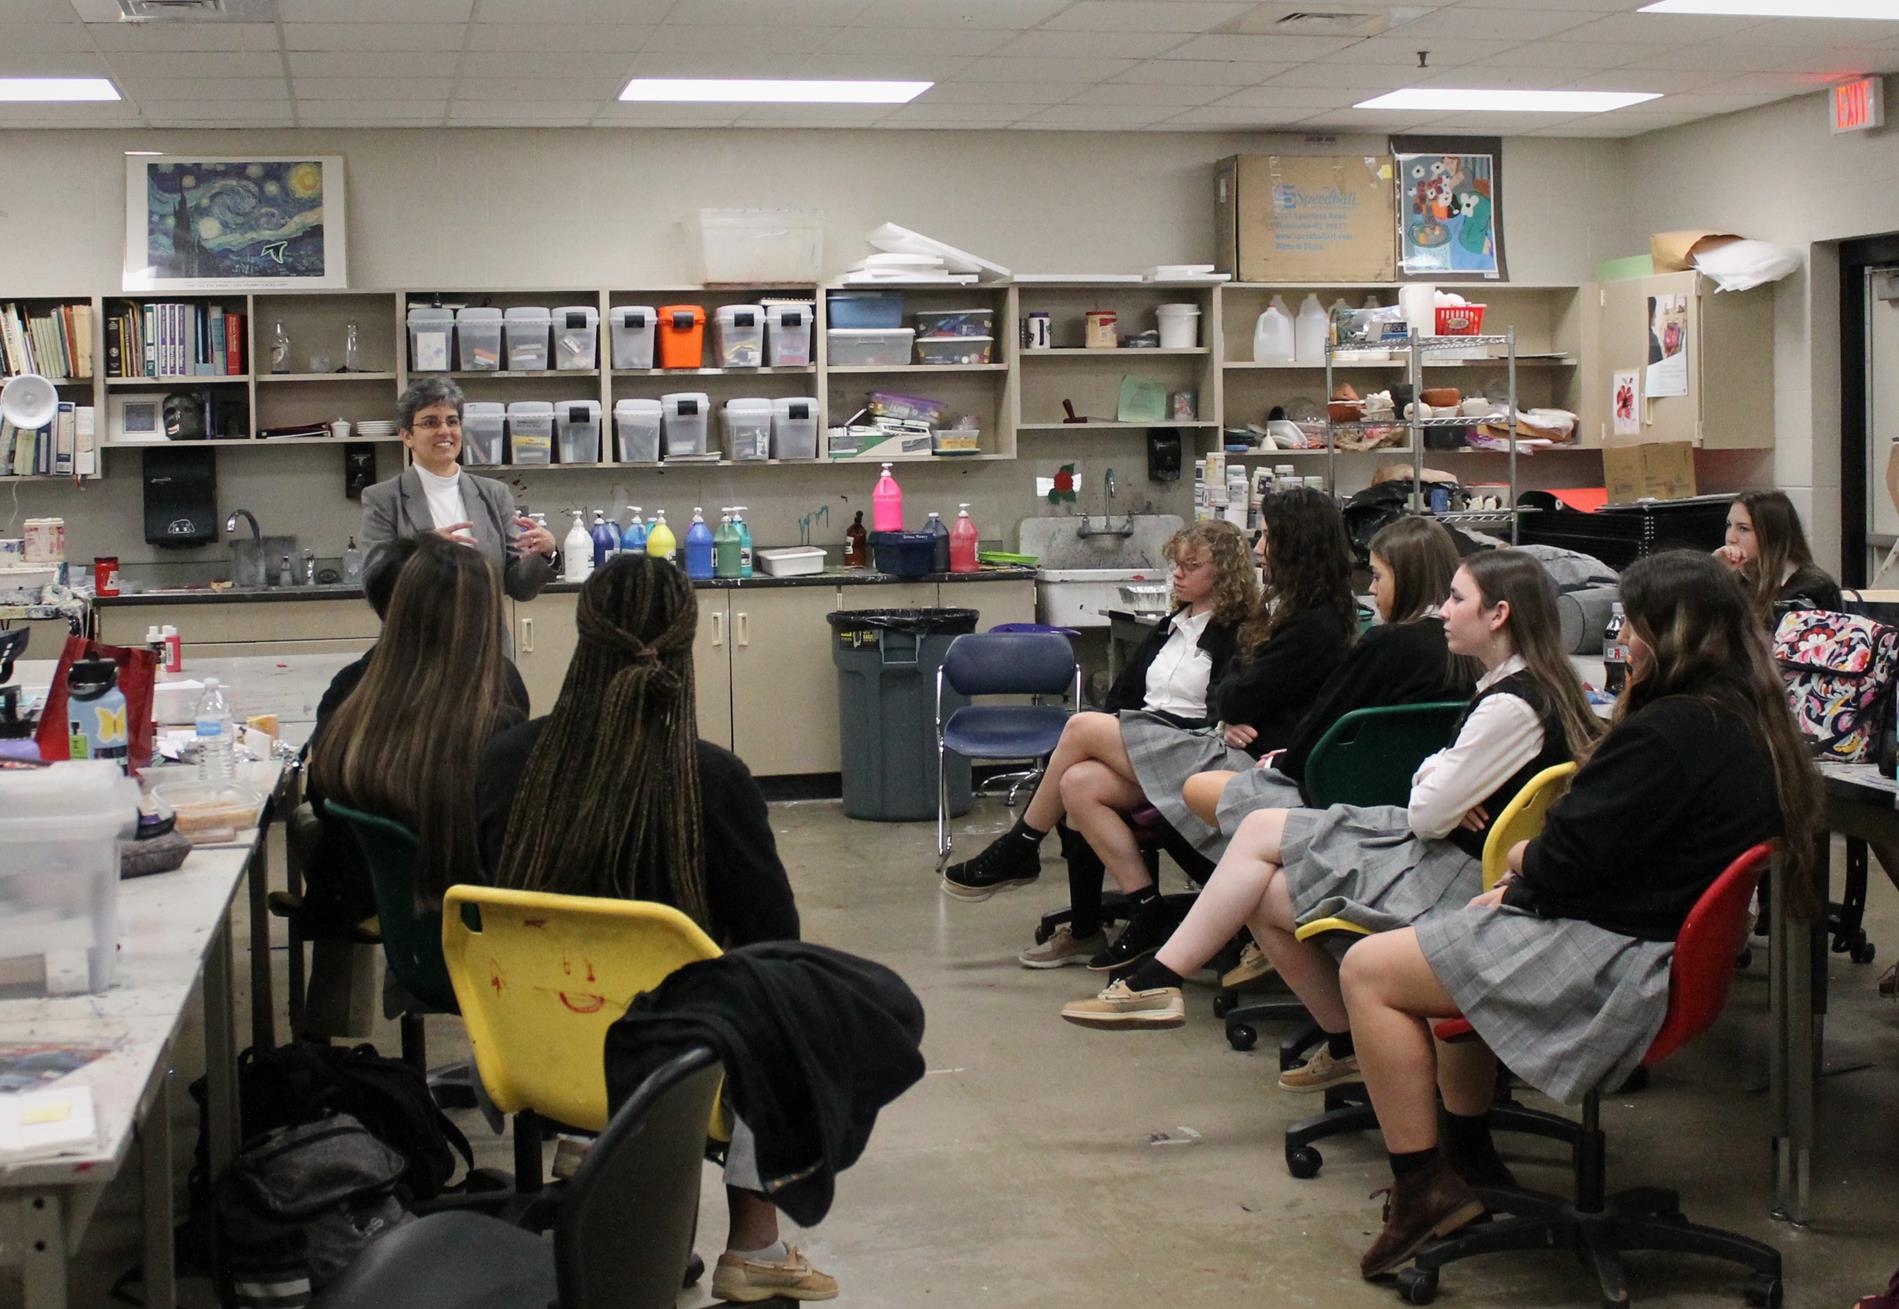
(114, 347)
(85, 442)
(148, 317)
(63, 438)
(234, 344)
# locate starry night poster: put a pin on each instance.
(237, 224)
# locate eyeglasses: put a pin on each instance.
(437, 424)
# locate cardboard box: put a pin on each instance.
(1306, 218)
(1660, 470)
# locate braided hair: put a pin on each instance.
(609, 802)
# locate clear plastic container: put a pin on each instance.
(747, 425)
(60, 829)
(577, 427)
(760, 245)
(955, 350)
(576, 337)
(530, 432)
(738, 336)
(526, 327)
(788, 335)
(683, 422)
(478, 334)
(794, 427)
(864, 309)
(431, 339)
(632, 328)
(484, 429)
(637, 422)
(955, 322)
(869, 346)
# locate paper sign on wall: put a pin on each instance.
(1625, 402)
(1667, 346)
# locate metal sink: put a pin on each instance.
(1082, 575)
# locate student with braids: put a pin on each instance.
(613, 794)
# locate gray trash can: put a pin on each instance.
(886, 696)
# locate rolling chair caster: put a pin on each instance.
(1304, 1162)
(1241, 1036)
(1417, 1285)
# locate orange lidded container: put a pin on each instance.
(682, 336)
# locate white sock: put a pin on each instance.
(771, 1254)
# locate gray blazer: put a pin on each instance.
(399, 507)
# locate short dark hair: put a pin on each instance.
(381, 570)
(422, 393)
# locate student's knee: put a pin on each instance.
(1361, 972)
(1081, 784)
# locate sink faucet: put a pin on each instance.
(230, 525)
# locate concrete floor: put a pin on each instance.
(1025, 1171)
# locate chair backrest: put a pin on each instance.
(542, 977)
(1009, 663)
(625, 1229)
(1705, 948)
(1522, 819)
(411, 933)
(1367, 757)
(1069, 632)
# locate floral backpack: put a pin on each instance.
(1839, 670)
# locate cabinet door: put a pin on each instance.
(886, 595)
(712, 667)
(1730, 400)
(1627, 341)
(544, 641)
(784, 685)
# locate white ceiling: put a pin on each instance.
(1120, 65)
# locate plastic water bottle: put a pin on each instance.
(1309, 332)
(1615, 654)
(725, 548)
(576, 552)
(633, 540)
(886, 504)
(698, 547)
(216, 760)
(1273, 335)
(744, 541)
(660, 541)
(962, 543)
(95, 713)
(939, 557)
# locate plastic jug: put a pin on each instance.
(698, 547)
(1310, 331)
(744, 539)
(605, 539)
(633, 539)
(962, 543)
(1273, 335)
(886, 504)
(939, 557)
(660, 541)
(1418, 301)
(576, 552)
(725, 548)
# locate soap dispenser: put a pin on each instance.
(660, 541)
(576, 552)
(886, 504)
(962, 543)
(633, 540)
(745, 540)
(605, 539)
(698, 547)
(725, 547)
(940, 554)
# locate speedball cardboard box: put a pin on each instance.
(1306, 218)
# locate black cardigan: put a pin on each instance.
(1271, 690)
(1130, 689)
(747, 891)
(1667, 801)
(1810, 588)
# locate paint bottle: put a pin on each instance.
(660, 541)
(940, 555)
(962, 545)
(605, 539)
(698, 547)
(725, 547)
(633, 540)
(886, 504)
(745, 540)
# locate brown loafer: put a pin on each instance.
(1434, 1202)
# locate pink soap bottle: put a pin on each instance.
(886, 504)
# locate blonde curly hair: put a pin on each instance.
(1235, 580)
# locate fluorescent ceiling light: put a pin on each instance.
(765, 90)
(57, 88)
(1504, 102)
(1867, 9)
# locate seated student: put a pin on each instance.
(404, 743)
(1563, 969)
(1109, 765)
(1768, 549)
(613, 794)
(1170, 675)
(1383, 867)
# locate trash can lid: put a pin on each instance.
(921, 622)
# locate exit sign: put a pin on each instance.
(1858, 106)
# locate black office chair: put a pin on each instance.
(622, 1238)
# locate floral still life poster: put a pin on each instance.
(213, 224)
(1450, 216)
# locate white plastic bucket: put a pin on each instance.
(1179, 326)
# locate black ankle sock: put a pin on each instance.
(1468, 1138)
(1339, 1045)
(1027, 833)
(1150, 974)
(1412, 1162)
(1144, 897)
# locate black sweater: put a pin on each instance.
(1130, 689)
(1810, 588)
(1668, 800)
(1395, 664)
(747, 891)
(1271, 690)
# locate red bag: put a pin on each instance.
(138, 673)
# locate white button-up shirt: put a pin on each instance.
(1501, 735)
(1177, 679)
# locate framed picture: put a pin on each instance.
(234, 223)
(1450, 207)
(139, 417)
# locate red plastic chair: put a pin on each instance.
(1598, 1226)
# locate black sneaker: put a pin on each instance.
(1146, 932)
(1009, 862)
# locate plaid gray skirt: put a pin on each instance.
(1566, 1005)
(1164, 757)
(1256, 788)
(1367, 866)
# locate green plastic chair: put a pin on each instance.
(1368, 756)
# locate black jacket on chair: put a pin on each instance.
(814, 1042)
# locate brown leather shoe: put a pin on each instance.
(1433, 1202)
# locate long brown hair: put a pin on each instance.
(1513, 577)
(406, 742)
(609, 802)
(1235, 580)
(1782, 546)
(1422, 559)
(1308, 565)
(1704, 641)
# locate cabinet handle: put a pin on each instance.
(527, 636)
(744, 639)
(718, 630)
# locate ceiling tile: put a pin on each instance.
(376, 11)
(55, 63)
(548, 63)
(1498, 124)
(66, 38)
(215, 110)
(906, 125)
(373, 63)
(1096, 117)
(1510, 24)
(1748, 59)
(1261, 49)
(989, 93)
(1659, 29)
(1145, 15)
(347, 114)
(624, 37)
(1349, 77)
(995, 68)
(1292, 97)
(1200, 72)
(206, 88)
(1403, 53)
(553, 113)
(112, 37)
(915, 68)
(1669, 81)
(990, 113)
(783, 41)
(229, 63)
(755, 63)
(882, 41)
(1588, 6)
(1165, 97)
(1775, 84)
(1091, 45)
(572, 11)
(80, 114)
(1501, 75)
(369, 91)
(1215, 117)
(1564, 53)
(374, 36)
(1588, 129)
(650, 115)
(1811, 31)
(1370, 120)
(766, 13)
(1018, 15)
(812, 115)
(333, 107)
(601, 90)
(1702, 104)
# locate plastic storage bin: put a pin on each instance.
(738, 336)
(530, 432)
(794, 428)
(955, 322)
(431, 339)
(484, 425)
(886, 662)
(479, 332)
(908, 555)
(888, 346)
(526, 328)
(577, 427)
(60, 829)
(682, 331)
(747, 424)
(683, 415)
(761, 245)
(632, 329)
(954, 349)
(576, 337)
(865, 309)
(788, 335)
(637, 422)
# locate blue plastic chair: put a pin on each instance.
(1011, 784)
(1001, 663)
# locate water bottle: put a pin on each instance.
(725, 548)
(660, 541)
(939, 555)
(698, 547)
(95, 713)
(962, 544)
(1615, 654)
(216, 760)
(576, 552)
(886, 504)
(744, 541)
(1273, 335)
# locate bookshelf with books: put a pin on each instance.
(199, 339)
(56, 337)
